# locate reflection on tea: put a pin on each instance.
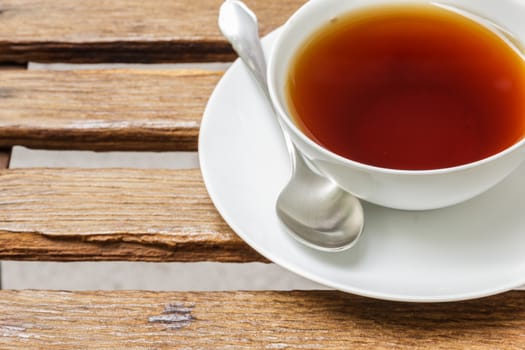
(408, 87)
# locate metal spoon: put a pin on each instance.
(316, 211)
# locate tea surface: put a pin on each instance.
(414, 88)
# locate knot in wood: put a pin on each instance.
(175, 316)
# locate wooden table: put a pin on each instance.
(161, 215)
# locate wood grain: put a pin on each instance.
(104, 109)
(122, 30)
(254, 320)
(113, 214)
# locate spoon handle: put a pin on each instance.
(239, 24)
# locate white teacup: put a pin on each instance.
(400, 189)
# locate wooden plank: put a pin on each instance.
(122, 30)
(254, 320)
(113, 214)
(104, 109)
(5, 158)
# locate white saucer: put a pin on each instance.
(467, 251)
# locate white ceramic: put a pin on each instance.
(412, 190)
(470, 250)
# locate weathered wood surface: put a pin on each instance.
(122, 30)
(113, 214)
(104, 109)
(254, 320)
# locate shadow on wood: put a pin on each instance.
(5, 157)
